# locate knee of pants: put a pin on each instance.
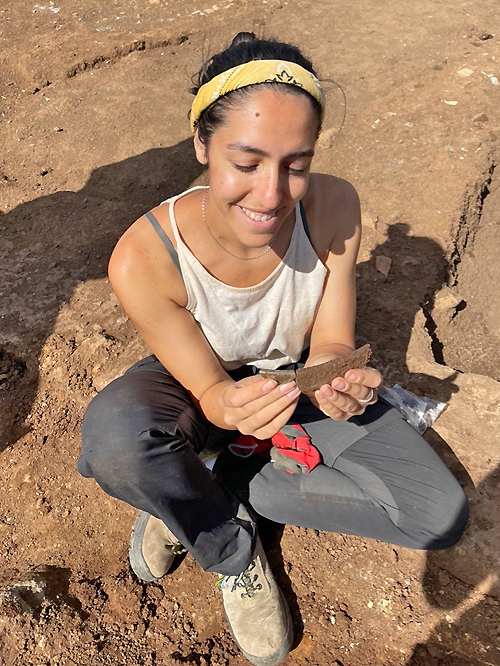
(121, 432)
(445, 522)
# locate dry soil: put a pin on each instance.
(93, 132)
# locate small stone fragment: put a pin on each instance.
(369, 220)
(383, 264)
(480, 118)
(465, 71)
(327, 138)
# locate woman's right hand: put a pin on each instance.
(257, 406)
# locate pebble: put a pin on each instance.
(444, 578)
(383, 264)
(480, 118)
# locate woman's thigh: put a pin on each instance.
(388, 485)
(139, 424)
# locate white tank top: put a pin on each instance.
(266, 325)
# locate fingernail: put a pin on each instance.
(340, 385)
(294, 393)
(351, 376)
(328, 393)
(284, 388)
(268, 386)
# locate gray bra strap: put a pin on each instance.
(165, 239)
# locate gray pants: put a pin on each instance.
(379, 478)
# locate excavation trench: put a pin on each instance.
(464, 318)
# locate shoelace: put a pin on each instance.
(177, 548)
(244, 580)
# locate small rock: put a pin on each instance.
(383, 264)
(465, 71)
(369, 220)
(480, 118)
(444, 578)
(327, 138)
(411, 261)
(446, 301)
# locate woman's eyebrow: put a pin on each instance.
(244, 148)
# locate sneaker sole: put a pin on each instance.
(135, 556)
(282, 652)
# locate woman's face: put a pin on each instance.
(259, 162)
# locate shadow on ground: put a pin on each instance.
(53, 243)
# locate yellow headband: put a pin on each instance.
(256, 71)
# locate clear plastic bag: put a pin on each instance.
(420, 412)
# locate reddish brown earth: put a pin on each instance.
(93, 132)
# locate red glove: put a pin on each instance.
(293, 450)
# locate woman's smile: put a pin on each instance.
(262, 221)
(258, 217)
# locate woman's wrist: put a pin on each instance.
(211, 404)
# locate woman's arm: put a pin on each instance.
(152, 293)
(333, 330)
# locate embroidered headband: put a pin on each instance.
(249, 73)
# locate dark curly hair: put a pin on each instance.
(245, 47)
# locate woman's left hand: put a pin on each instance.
(349, 395)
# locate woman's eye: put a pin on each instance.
(249, 168)
(298, 172)
(244, 168)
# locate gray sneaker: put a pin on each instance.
(257, 612)
(153, 548)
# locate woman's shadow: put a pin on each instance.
(400, 279)
(387, 309)
(51, 244)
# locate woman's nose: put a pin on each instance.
(271, 190)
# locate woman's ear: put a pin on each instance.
(200, 149)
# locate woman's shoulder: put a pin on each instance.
(332, 210)
(141, 251)
(325, 191)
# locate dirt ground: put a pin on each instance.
(93, 132)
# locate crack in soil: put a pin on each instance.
(116, 55)
(122, 52)
(430, 326)
(469, 222)
(462, 241)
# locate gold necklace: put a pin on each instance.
(222, 246)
